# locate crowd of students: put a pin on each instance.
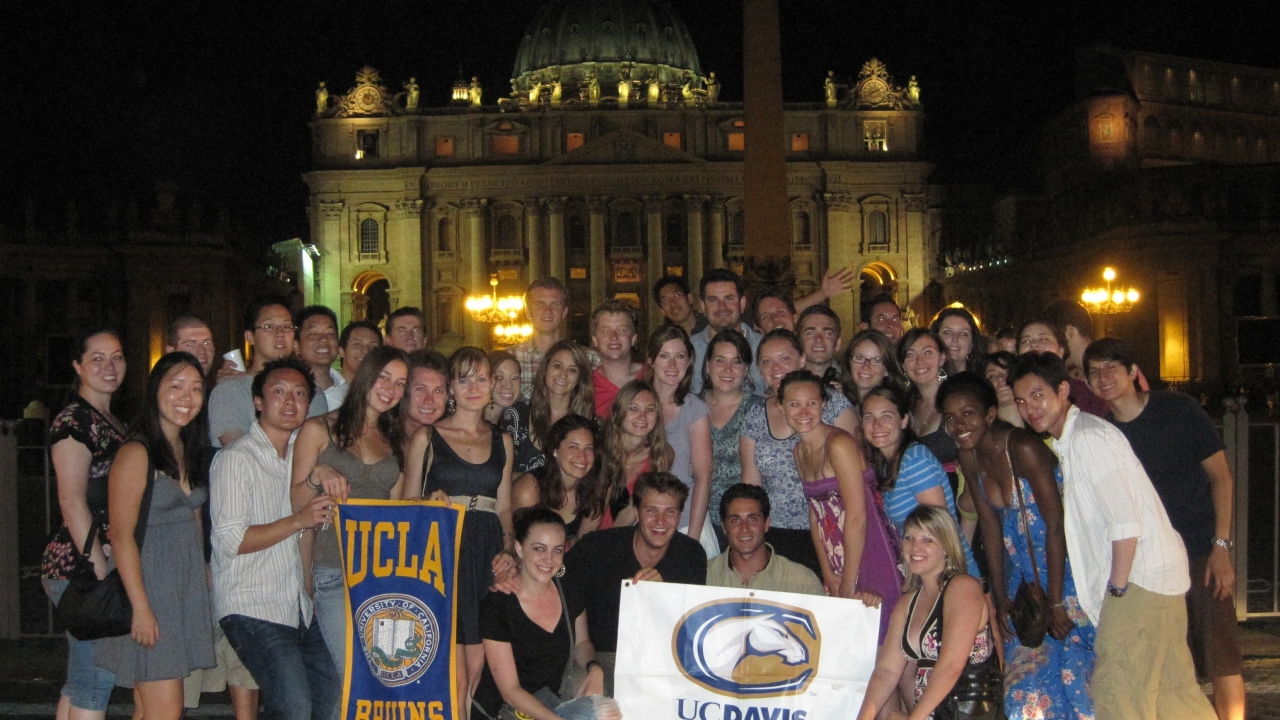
(933, 471)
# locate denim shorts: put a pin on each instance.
(88, 686)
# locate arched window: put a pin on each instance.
(444, 235)
(878, 229)
(624, 230)
(800, 229)
(577, 233)
(369, 244)
(506, 233)
(674, 231)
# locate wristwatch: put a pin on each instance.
(1224, 543)
(1116, 591)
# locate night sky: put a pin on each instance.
(216, 96)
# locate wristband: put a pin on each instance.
(1116, 591)
(314, 486)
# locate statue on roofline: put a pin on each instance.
(713, 89)
(474, 91)
(829, 88)
(322, 99)
(411, 94)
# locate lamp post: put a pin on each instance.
(501, 312)
(1109, 300)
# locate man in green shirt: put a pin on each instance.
(750, 562)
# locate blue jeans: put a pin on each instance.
(88, 686)
(290, 664)
(331, 613)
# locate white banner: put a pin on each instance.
(707, 653)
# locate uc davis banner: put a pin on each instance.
(399, 559)
(706, 653)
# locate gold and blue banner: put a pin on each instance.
(400, 564)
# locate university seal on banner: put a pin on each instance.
(748, 648)
(399, 636)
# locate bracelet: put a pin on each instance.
(313, 486)
(1057, 605)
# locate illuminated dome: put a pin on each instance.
(570, 40)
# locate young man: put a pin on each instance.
(407, 329)
(750, 562)
(317, 337)
(258, 593)
(881, 312)
(653, 549)
(774, 310)
(1178, 447)
(819, 331)
(613, 335)
(356, 340)
(190, 334)
(269, 330)
(1129, 565)
(546, 303)
(427, 396)
(1077, 328)
(671, 292)
(724, 298)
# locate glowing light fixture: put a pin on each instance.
(511, 334)
(493, 309)
(1108, 300)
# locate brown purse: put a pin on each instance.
(1030, 613)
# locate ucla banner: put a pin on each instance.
(689, 652)
(399, 559)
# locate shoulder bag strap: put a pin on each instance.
(144, 510)
(1022, 512)
(568, 621)
(430, 458)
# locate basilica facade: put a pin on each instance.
(612, 162)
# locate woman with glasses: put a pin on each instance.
(868, 361)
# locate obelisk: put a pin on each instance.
(767, 225)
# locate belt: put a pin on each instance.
(475, 502)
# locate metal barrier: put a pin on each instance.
(1253, 453)
(29, 511)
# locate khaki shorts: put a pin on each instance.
(228, 671)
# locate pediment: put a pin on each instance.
(624, 147)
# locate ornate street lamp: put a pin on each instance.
(1109, 300)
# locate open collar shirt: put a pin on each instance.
(1107, 496)
(249, 485)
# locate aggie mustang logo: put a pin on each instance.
(399, 636)
(748, 648)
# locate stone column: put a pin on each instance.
(477, 278)
(693, 236)
(555, 208)
(716, 247)
(328, 228)
(404, 249)
(656, 267)
(842, 252)
(917, 262)
(533, 240)
(598, 269)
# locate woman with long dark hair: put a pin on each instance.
(634, 442)
(83, 440)
(868, 361)
(960, 336)
(362, 441)
(506, 384)
(562, 386)
(166, 580)
(570, 484)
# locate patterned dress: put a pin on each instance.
(930, 644)
(83, 423)
(726, 465)
(1051, 681)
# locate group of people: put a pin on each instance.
(934, 472)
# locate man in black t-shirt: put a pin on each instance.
(652, 550)
(1178, 447)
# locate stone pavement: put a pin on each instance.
(31, 673)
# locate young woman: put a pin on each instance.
(83, 440)
(1043, 336)
(634, 442)
(684, 415)
(907, 473)
(922, 355)
(766, 448)
(361, 441)
(1051, 680)
(562, 386)
(997, 369)
(964, 343)
(165, 579)
(724, 379)
(467, 461)
(570, 484)
(942, 626)
(868, 361)
(527, 634)
(854, 540)
(506, 384)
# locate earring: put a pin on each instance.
(942, 374)
(450, 405)
(560, 572)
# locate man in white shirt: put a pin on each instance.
(317, 338)
(1129, 564)
(258, 592)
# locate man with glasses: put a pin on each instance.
(407, 329)
(269, 331)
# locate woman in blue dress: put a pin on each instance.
(1051, 680)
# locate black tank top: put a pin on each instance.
(456, 476)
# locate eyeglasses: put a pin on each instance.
(275, 329)
(863, 360)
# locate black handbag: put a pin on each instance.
(977, 695)
(1030, 613)
(91, 609)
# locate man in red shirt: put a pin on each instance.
(613, 335)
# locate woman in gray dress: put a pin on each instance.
(172, 630)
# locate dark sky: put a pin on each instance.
(215, 96)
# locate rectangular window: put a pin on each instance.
(671, 139)
(573, 141)
(506, 145)
(366, 144)
(875, 135)
(800, 142)
(444, 146)
(737, 141)
(579, 273)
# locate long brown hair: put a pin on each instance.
(660, 337)
(613, 453)
(349, 426)
(589, 491)
(582, 399)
